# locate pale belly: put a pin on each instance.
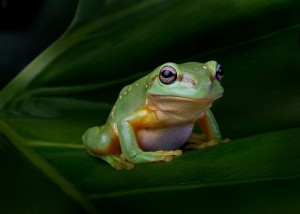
(170, 138)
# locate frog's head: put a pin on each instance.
(192, 80)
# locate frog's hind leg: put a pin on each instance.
(102, 142)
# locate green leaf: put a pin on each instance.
(72, 85)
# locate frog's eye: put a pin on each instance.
(219, 72)
(167, 75)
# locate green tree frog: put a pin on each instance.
(154, 116)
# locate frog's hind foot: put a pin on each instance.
(117, 162)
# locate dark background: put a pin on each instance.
(27, 28)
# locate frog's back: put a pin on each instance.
(131, 99)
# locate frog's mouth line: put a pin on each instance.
(164, 97)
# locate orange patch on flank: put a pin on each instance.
(114, 146)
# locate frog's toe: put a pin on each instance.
(196, 138)
(117, 162)
(209, 143)
(166, 156)
(226, 140)
(123, 165)
(155, 156)
(203, 145)
(172, 152)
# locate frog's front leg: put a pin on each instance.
(211, 133)
(102, 142)
(128, 140)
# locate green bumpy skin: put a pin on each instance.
(153, 117)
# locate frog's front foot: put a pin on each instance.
(156, 156)
(197, 141)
